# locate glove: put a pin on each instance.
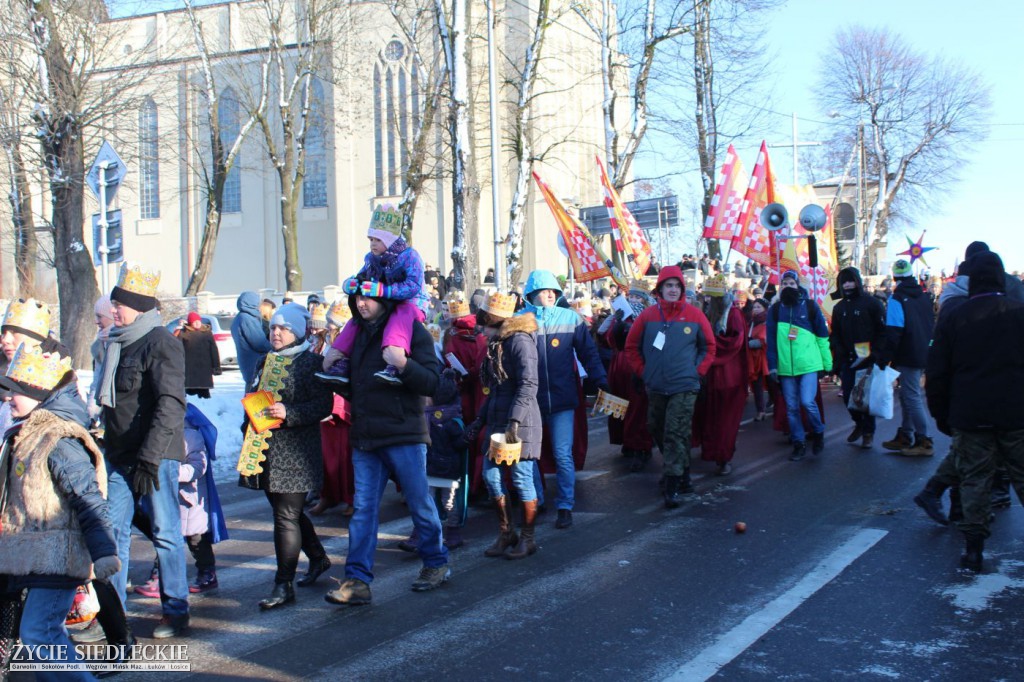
(332, 356)
(773, 376)
(472, 431)
(512, 432)
(104, 567)
(146, 478)
(372, 289)
(755, 343)
(350, 286)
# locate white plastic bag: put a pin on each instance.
(880, 399)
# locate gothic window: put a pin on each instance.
(396, 112)
(149, 161)
(230, 126)
(314, 184)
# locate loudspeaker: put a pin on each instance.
(774, 217)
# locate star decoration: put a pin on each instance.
(916, 249)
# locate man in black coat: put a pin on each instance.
(858, 329)
(389, 440)
(976, 394)
(142, 393)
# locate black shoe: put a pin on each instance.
(564, 519)
(282, 594)
(972, 558)
(855, 435)
(317, 568)
(932, 505)
(817, 442)
(171, 626)
(799, 452)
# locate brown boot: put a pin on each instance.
(923, 447)
(506, 536)
(900, 442)
(526, 545)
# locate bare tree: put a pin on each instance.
(214, 169)
(916, 112)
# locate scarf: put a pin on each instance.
(118, 338)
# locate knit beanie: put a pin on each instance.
(791, 274)
(194, 317)
(293, 317)
(386, 224)
(103, 307)
(902, 268)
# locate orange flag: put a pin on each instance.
(749, 237)
(629, 238)
(727, 202)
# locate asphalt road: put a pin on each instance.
(838, 576)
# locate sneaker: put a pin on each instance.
(336, 373)
(352, 592)
(205, 581)
(817, 443)
(151, 588)
(171, 626)
(724, 469)
(855, 435)
(867, 440)
(90, 634)
(564, 519)
(799, 452)
(389, 376)
(431, 578)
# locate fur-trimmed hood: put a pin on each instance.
(526, 323)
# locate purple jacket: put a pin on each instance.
(192, 485)
(400, 269)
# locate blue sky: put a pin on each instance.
(985, 36)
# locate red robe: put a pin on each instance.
(470, 348)
(339, 478)
(631, 433)
(720, 405)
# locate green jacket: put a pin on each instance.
(809, 351)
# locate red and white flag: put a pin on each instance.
(750, 237)
(727, 202)
(629, 238)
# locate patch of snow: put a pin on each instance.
(880, 670)
(982, 589)
(224, 409)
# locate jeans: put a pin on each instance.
(166, 527)
(522, 478)
(408, 464)
(915, 420)
(847, 377)
(800, 391)
(293, 531)
(42, 622)
(560, 425)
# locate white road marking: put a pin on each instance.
(733, 643)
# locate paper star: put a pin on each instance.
(916, 249)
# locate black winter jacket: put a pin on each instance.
(910, 318)
(514, 398)
(202, 360)
(976, 368)
(384, 415)
(857, 319)
(148, 422)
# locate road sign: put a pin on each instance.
(115, 242)
(109, 168)
(650, 214)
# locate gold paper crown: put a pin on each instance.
(386, 218)
(435, 332)
(318, 313)
(457, 306)
(500, 305)
(31, 315)
(716, 286)
(339, 312)
(137, 280)
(30, 366)
(640, 285)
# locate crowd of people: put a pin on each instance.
(400, 381)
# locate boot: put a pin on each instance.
(506, 536)
(672, 492)
(855, 435)
(452, 536)
(972, 557)
(930, 499)
(317, 567)
(526, 545)
(956, 511)
(283, 593)
(799, 452)
(900, 442)
(922, 447)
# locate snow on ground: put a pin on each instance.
(979, 592)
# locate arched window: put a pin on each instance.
(314, 184)
(149, 161)
(396, 111)
(230, 126)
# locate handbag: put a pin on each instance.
(861, 392)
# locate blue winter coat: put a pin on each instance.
(562, 336)
(251, 343)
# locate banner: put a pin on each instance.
(727, 202)
(585, 256)
(629, 238)
(749, 237)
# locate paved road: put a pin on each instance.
(839, 576)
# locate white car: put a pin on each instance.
(220, 327)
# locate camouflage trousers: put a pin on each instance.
(670, 421)
(978, 454)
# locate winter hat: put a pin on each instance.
(136, 287)
(669, 272)
(902, 268)
(386, 224)
(975, 248)
(29, 317)
(194, 317)
(292, 317)
(791, 274)
(313, 298)
(987, 274)
(103, 308)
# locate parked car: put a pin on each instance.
(220, 326)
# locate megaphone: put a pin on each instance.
(774, 217)
(812, 217)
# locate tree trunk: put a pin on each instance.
(290, 233)
(207, 246)
(25, 245)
